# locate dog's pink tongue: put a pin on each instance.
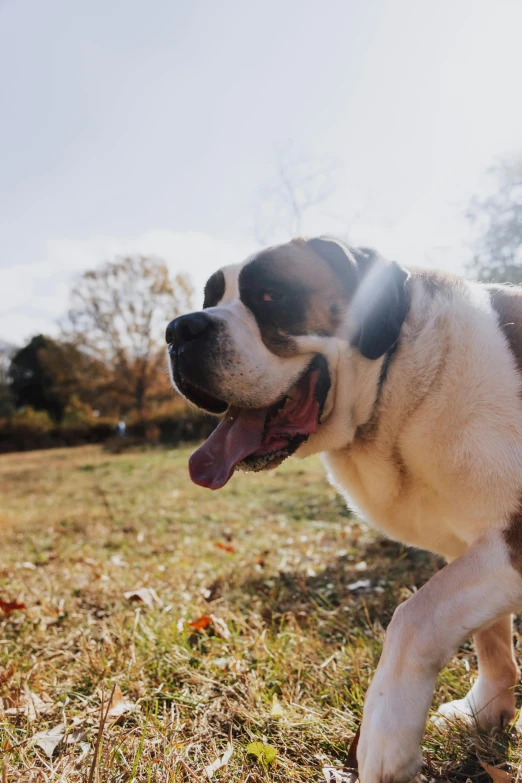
(239, 434)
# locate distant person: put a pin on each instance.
(121, 429)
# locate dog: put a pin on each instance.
(409, 383)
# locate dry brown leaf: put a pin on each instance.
(277, 709)
(10, 606)
(220, 627)
(88, 561)
(203, 622)
(348, 773)
(145, 594)
(225, 547)
(206, 620)
(29, 704)
(351, 758)
(221, 761)
(496, 774)
(336, 775)
(49, 740)
(119, 704)
(79, 735)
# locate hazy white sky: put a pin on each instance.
(150, 127)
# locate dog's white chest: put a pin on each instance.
(407, 511)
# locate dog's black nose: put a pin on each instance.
(186, 328)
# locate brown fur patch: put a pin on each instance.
(326, 300)
(276, 341)
(494, 647)
(513, 538)
(315, 299)
(508, 304)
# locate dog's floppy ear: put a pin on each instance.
(376, 289)
(339, 258)
(381, 303)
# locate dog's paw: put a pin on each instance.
(483, 708)
(388, 753)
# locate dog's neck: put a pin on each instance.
(365, 429)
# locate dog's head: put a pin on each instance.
(278, 349)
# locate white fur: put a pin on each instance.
(451, 412)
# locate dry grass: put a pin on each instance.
(81, 527)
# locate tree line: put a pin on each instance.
(109, 360)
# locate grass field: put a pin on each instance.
(298, 592)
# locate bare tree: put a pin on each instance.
(299, 186)
(118, 315)
(498, 220)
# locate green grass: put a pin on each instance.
(81, 527)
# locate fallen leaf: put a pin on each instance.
(255, 749)
(119, 704)
(88, 561)
(496, 774)
(145, 594)
(225, 547)
(337, 775)
(348, 773)
(362, 584)
(117, 561)
(203, 622)
(49, 740)
(10, 606)
(270, 753)
(351, 758)
(79, 735)
(85, 748)
(212, 592)
(277, 710)
(29, 704)
(220, 627)
(266, 754)
(221, 761)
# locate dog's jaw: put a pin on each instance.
(260, 438)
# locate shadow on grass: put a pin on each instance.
(331, 602)
(391, 573)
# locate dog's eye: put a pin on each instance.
(273, 296)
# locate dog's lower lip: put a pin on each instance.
(198, 396)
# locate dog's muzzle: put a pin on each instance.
(189, 340)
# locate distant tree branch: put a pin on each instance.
(299, 186)
(498, 222)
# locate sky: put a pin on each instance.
(155, 128)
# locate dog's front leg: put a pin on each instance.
(491, 701)
(469, 594)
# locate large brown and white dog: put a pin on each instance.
(409, 383)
